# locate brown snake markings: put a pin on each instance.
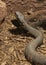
(30, 51)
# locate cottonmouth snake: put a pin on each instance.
(30, 51)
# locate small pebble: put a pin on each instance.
(42, 46)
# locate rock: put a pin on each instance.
(3, 11)
(43, 52)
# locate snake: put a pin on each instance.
(30, 51)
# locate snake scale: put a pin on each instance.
(30, 50)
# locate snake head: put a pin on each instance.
(19, 16)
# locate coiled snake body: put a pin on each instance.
(30, 51)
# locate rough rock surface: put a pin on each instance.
(3, 11)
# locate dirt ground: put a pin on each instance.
(13, 38)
